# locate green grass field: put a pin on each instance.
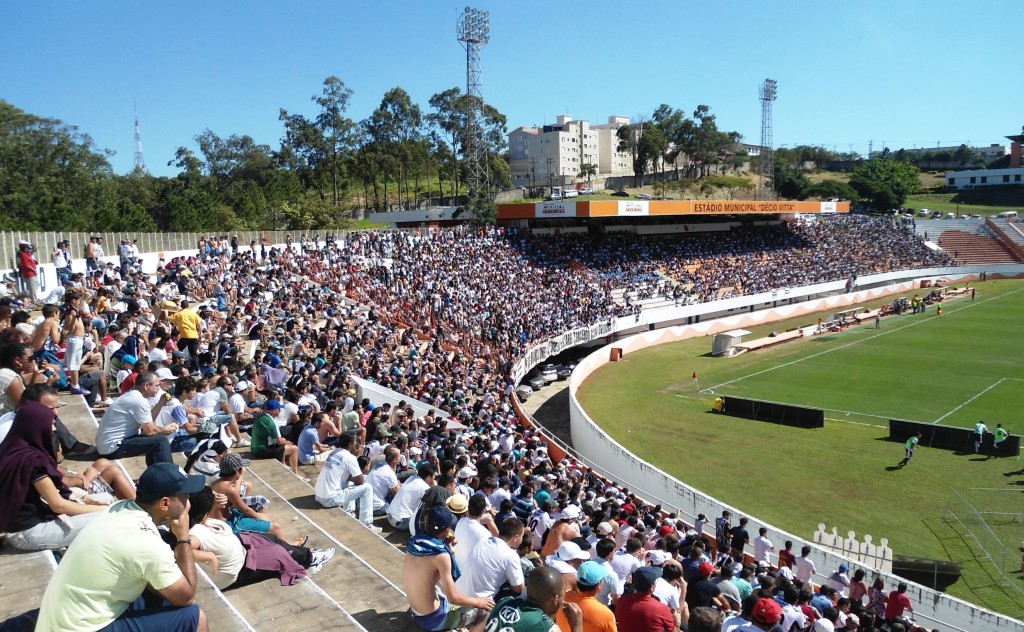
(953, 369)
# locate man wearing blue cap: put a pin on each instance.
(597, 617)
(267, 442)
(101, 581)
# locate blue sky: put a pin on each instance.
(906, 72)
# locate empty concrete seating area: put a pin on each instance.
(969, 241)
(359, 589)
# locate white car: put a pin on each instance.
(643, 196)
(586, 191)
(570, 193)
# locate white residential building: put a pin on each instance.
(553, 155)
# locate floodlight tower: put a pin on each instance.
(140, 163)
(474, 31)
(767, 189)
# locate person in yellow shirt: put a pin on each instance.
(187, 322)
(597, 617)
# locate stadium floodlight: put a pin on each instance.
(475, 27)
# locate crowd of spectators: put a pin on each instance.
(269, 341)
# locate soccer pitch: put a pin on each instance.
(955, 369)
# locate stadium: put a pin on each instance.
(655, 397)
(450, 320)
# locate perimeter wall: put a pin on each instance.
(601, 451)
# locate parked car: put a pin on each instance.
(643, 196)
(586, 191)
(950, 216)
(549, 372)
(536, 383)
(523, 392)
(570, 193)
(565, 370)
(924, 212)
(620, 194)
(937, 215)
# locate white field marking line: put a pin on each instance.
(993, 489)
(856, 423)
(855, 342)
(330, 537)
(994, 384)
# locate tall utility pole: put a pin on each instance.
(474, 31)
(767, 189)
(140, 163)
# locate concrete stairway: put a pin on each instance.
(23, 579)
(358, 590)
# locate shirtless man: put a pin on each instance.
(428, 563)
(74, 335)
(48, 330)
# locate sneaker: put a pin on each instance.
(321, 556)
(78, 390)
(374, 529)
(244, 443)
(107, 402)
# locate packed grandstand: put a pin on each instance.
(438, 316)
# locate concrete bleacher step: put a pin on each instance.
(23, 580)
(365, 574)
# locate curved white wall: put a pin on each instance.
(600, 450)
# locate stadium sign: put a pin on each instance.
(645, 208)
(556, 209)
(634, 208)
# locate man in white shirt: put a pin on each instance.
(804, 567)
(469, 531)
(209, 401)
(407, 501)
(763, 547)
(384, 481)
(494, 562)
(341, 483)
(626, 561)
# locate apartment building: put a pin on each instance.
(553, 155)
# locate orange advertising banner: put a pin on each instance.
(643, 208)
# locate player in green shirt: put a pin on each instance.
(911, 446)
(1001, 435)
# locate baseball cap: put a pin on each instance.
(458, 504)
(853, 618)
(274, 404)
(128, 360)
(439, 519)
(569, 551)
(571, 512)
(766, 611)
(706, 569)
(231, 463)
(165, 374)
(242, 386)
(166, 479)
(645, 576)
(604, 528)
(666, 529)
(843, 568)
(658, 557)
(467, 472)
(177, 354)
(590, 574)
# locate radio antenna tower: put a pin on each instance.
(474, 31)
(767, 189)
(140, 163)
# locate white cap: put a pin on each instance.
(569, 551)
(571, 512)
(165, 374)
